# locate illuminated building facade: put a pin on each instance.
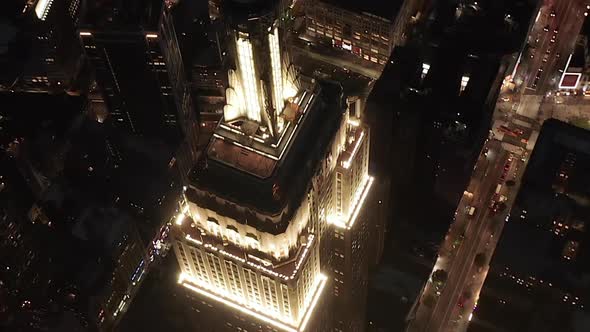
(139, 97)
(278, 192)
(350, 244)
(365, 35)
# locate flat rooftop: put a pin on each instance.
(381, 8)
(252, 154)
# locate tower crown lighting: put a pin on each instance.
(261, 81)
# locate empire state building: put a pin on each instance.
(270, 234)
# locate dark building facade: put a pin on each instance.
(537, 273)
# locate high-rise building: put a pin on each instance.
(187, 117)
(272, 234)
(350, 27)
(72, 259)
(139, 71)
(536, 277)
(50, 62)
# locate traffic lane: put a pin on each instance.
(480, 171)
(488, 246)
(457, 276)
(540, 52)
(478, 200)
(494, 147)
(467, 263)
(464, 256)
(473, 199)
(569, 28)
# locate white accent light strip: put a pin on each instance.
(274, 321)
(358, 203)
(566, 73)
(236, 306)
(189, 238)
(319, 289)
(247, 147)
(310, 239)
(42, 9)
(346, 164)
(297, 125)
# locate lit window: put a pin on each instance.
(233, 234)
(252, 241)
(214, 227)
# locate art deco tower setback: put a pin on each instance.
(286, 166)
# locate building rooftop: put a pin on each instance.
(128, 14)
(268, 181)
(551, 218)
(384, 9)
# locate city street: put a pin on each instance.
(550, 42)
(463, 313)
(448, 303)
(469, 235)
(463, 241)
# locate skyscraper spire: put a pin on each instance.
(259, 79)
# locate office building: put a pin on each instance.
(139, 70)
(52, 63)
(536, 277)
(351, 29)
(271, 235)
(142, 104)
(176, 74)
(73, 258)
